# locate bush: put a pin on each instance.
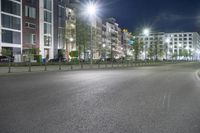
(38, 58)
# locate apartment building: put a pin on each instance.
(183, 45)
(70, 31)
(126, 43)
(11, 27)
(111, 38)
(30, 21)
(46, 29)
(60, 18)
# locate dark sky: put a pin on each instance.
(160, 15)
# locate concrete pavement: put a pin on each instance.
(164, 99)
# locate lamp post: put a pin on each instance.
(146, 33)
(179, 46)
(91, 10)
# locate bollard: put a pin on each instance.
(9, 67)
(45, 66)
(60, 64)
(29, 66)
(81, 65)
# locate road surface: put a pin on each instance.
(161, 99)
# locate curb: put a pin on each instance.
(198, 74)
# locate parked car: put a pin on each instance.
(7, 58)
(57, 60)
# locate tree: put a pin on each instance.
(137, 47)
(6, 52)
(82, 36)
(151, 52)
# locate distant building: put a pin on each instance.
(112, 42)
(126, 43)
(59, 24)
(183, 45)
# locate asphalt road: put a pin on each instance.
(162, 99)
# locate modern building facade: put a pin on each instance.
(46, 29)
(51, 26)
(30, 21)
(11, 27)
(111, 38)
(183, 45)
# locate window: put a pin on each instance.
(30, 12)
(11, 37)
(47, 40)
(33, 38)
(61, 12)
(33, 2)
(30, 25)
(47, 16)
(185, 39)
(47, 4)
(30, 38)
(190, 38)
(10, 7)
(11, 22)
(47, 28)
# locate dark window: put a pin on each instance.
(32, 2)
(47, 4)
(11, 37)
(47, 16)
(10, 7)
(11, 22)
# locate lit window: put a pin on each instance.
(30, 12)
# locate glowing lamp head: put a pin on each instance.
(167, 40)
(146, 32)
(71, 39)
(91, 9)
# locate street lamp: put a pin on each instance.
(91, 10)
(179, 46)
(146, 33)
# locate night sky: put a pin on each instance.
(160, 15)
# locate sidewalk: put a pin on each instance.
(27, 69)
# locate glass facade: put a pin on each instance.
(47, 28)
(10, 7)
(47, 40)
(47, 16)
(10, 22)
(11, 37)
(48, 4)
